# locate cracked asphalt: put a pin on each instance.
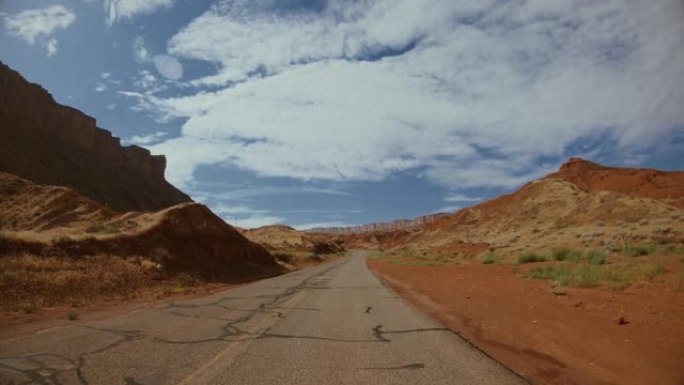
(330, 324)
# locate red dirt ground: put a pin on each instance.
(550, 339)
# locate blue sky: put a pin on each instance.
(333, 112)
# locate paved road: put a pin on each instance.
(331, 324)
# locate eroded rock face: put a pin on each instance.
(49, 143)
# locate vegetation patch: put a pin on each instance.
(588, 274)
(488, 258)
(531, 258)
(596, 257)
(640, 250)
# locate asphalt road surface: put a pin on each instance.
(331, 324)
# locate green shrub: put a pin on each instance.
(596, 257)
(561, 254)
(530, 258)
(488, 258)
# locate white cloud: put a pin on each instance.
(140, 52)
(319, 225)
(51, 47)
(106, 75)
(145, 80)
(126, 9)
(235, 192)
(33, 24)
(143, 140)
(168, 67)
(254, 221)
(461, 198)
(446, 209)
(245, 216)
(464, 94)
(100, 87)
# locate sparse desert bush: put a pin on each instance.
(284, 257)
(640, 250)
(592, 275)
(583, 275)
(488, 258)
(646, 272)
(596, 257)
(575, 256)
(72, 316)
(530, 258)
(560, 254)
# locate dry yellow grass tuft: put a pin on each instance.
(30, 282)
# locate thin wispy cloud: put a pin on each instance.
(126, 9)
(461, 198)
(40, 24)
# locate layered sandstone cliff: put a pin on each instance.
(49, 143)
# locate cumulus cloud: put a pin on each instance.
(100, 87)
(463, 94)
(126, 9)
(33, 24)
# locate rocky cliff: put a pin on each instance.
(49, 143)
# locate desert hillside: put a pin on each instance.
(293, 246)
(583, 205)
(51, 220)
(48, 143)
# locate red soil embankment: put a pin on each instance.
(551, 339)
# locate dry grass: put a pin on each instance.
(587, 274)
(28, 282)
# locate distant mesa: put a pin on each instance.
(48, 143)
